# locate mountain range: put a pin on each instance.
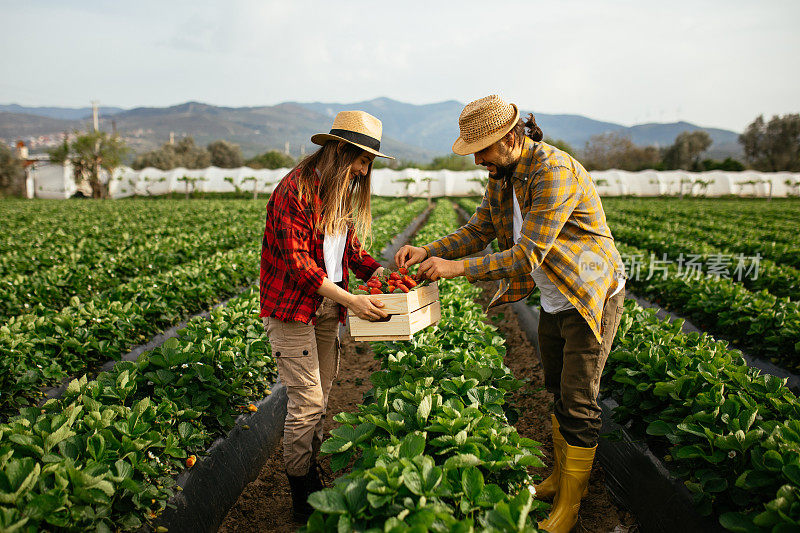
(410, 132)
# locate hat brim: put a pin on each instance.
(462, 147)
(322, 138)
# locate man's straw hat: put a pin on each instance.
(357, 128)
(483, 123)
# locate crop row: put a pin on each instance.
(44, 347)
(52, 288)
(40, 350)
(767, 326)
(433, 447)
(393, 223)
(103, 457)
(72, 232)
(779, 280)
(729, 236)
(731, 433)
(756, 219)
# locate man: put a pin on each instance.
(543, 208)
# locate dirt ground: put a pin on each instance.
(265, 505)
(598, 513)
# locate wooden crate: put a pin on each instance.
(408, 313)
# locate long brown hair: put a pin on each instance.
(345, 198)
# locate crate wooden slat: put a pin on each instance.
(396, 304)
(399, 326)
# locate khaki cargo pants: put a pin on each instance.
(308, 362)
(573, 362)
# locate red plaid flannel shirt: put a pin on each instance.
(291, 255)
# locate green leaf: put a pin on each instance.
(659, 428)
(335, 445)
(792, 472)
(424, 410)
(738, 523)
(412, 445)
(462, 460)
(472, 482)
(329, 501)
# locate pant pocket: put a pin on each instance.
(297, 366)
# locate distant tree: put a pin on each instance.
(12, 173)
(257, 184)
(775, 145)
(730, 164)
(225, 154)
(685, 151)
(232, 181)
(149, 182)
(429, 181)
(185, 153)
(271, 160)
(561, 145)
(191, 184)
(89, 154)
(613, 150)
(451, 162)
(407, 183)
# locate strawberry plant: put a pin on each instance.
(731, 433)
(104, 456)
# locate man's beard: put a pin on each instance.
(503, 171)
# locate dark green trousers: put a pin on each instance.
(573, 362)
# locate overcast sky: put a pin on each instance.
(716, 63)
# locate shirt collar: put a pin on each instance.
(522, 172)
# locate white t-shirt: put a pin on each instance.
(553, 301)
(333, 252)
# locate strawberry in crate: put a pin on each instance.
(390, 282)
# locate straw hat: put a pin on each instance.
(483, 123)
(357, 128)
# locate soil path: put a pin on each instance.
(265, 505)
(598, 513)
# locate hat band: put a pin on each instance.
(358, 138)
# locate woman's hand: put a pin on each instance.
(366, 308)
(409, 255)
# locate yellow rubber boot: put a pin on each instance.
(548, 489)
(574, 480)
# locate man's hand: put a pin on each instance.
(409, 255)
(436, 267)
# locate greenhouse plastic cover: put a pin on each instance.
(55, 181)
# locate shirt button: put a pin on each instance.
(277, 354)
(305, 352)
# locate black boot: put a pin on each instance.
(314, 478)
(299, 486)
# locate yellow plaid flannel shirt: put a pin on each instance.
(564, 231)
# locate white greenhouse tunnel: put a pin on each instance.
(55, 181)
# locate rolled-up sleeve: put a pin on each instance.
(470, 238)
(293, 232)
(554, 197)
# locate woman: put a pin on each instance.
(309, 244)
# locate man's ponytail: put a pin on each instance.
(534, 131)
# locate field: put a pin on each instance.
(86, 444)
